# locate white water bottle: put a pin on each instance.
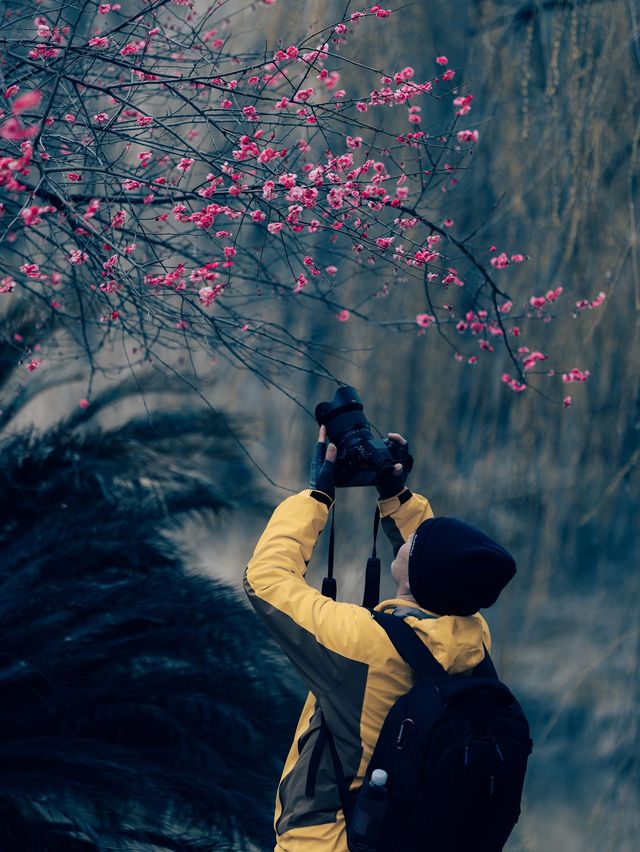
(369, 814)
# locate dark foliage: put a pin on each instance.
(141, 706)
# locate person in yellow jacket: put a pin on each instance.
(444, 571)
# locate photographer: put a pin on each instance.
(444, 571)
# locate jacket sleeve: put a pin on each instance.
(402, 515)
(322, 638)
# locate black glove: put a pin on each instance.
(322, 475)
(392, 482)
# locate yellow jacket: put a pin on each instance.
(353, 671)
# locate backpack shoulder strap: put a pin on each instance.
(412, 650)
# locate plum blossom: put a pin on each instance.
(425, 320)
(26, 101)
(500, 261)
(575, 375)
(468, 136)
(513, 384)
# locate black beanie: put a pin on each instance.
(454, 569)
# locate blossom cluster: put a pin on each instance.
(190, 203)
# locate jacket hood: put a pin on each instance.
(456, 641)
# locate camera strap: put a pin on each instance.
(329, 588)
(372, 572)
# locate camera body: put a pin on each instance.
(362, 459)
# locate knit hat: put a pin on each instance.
(454, 569)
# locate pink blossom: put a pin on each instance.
(32, 270)
(303, 95)
(449, 74)
(7, 285)
(144, 120)
(133, 47)
(11, 91)
(513, 384)
(78, 256)
(13, 131)
(331, 270)
(425, 320)
(575, 375)
(26, 101)
(384, 242)
(185, 164)
(464, 104)
(275, 227)
(74, 176)
(599, 299)
(83, 403)
(268, 190)
(517, 258)
(537, 301)
(208, 295)
(441, 60)
(448, 223)
(103, 8)
(566, 402)
(33, 365)
(468, 136)
(31, 215)
(101, 117)
(552, 295)
(532, 359)
(343, 316)
(500, 261)
(99, 41)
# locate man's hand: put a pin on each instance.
(322, 476)
(394, 481)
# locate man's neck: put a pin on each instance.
(409, 598)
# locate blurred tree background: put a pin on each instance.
(555, 176)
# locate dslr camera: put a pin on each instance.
(362, 459)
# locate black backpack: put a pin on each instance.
(455, 751)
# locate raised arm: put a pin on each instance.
(401, 511)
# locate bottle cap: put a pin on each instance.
(378, 777)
